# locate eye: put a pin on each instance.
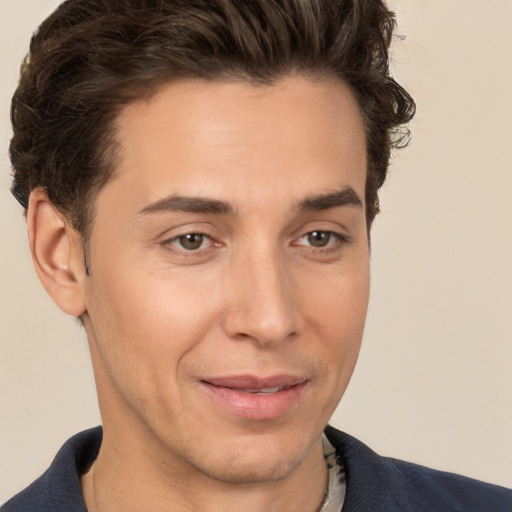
(321, 239)
(190, 241)
(318, 238)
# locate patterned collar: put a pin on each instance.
(335, 495)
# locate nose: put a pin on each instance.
(261, 300)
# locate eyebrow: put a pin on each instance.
(344, 197)
(189, 204)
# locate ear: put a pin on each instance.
(57, 254)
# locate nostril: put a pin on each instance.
(261, 306)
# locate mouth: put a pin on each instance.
(263, 391)
(256, 398)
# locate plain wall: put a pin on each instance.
(433, 384)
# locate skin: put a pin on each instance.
(256, 294)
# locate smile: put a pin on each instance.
(254, 398)
(263, 391)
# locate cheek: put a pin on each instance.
(337, 314)
(339, 301)
(145, 320)
(336, 322)
(143, 329)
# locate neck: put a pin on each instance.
(132, 480)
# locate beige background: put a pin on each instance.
(434, 381)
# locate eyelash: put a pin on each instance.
(339, 239)
(176, 240)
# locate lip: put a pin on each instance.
(253, 397)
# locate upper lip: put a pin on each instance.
(254, 382)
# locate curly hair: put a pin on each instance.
(92, 57)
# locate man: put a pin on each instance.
(201, 178)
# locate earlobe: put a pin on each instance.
(56, 253)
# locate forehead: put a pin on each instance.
(222, 138)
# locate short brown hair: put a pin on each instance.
(92, 57)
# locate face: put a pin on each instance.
(229, 274)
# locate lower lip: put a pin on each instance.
(256, 407)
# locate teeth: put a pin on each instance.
(263, 391)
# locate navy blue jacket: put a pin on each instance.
(374, 483)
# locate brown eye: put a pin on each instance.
(319, 238)
(191, 241)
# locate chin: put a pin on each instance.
(253, 471)
(256, 460)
